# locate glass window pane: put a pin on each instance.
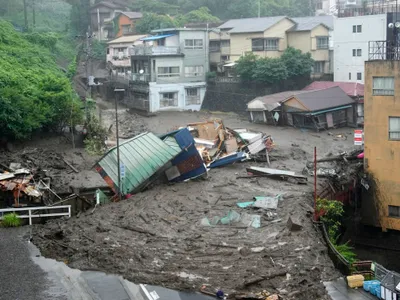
(257, 44)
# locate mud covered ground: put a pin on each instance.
(157, 237)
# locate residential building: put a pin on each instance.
(319, 109)
(325, 7)
(125, 22)
(269, 37)
(101, 18)
(169, 70)
(314, 35)
(351, 37)
(381, 201)
(118, 55)
(353, 89)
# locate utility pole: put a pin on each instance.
(259, 8)
(25, 15)
(98, 24)
(34, 14)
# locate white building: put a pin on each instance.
(351, 37)
(325, 7)
(169, 70)
(118, 56)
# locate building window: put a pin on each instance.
(194, 71)
(225, 43)
(359, 76)
(357, 52)
(349, 76)
(126, 29)
(394, 211)
(193, 96)
(322, 42)
(319, 5)
(357, 28)
(215, 46)
(108, 51)
(271, 44)
(257, 44)
(168, 72)
(194, 44)
(319, 67)
(383, 86)
(168, 99)
(225, 57)
(394, 128)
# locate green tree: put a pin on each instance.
(151, 21)
(203, 14)
(245, 66)
(270, 70)
(297, 63)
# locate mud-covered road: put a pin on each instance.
(157, 236)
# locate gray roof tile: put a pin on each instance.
(309, 23)
(250, 24)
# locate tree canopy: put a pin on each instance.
(293, 63)
(34, 93)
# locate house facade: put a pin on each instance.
(101, 18)
(125, 22)
(381, 201)
(352, 35)
(118, 54)
(169, 70)
(270, 37)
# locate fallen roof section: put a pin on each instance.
(141, 156)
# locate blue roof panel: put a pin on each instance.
(156, 37)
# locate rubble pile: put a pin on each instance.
(129, 124)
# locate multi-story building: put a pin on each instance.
(125, 22)
(351, 37)
(325, 7)
(169, 70)
(381, 197)
(269, 37)
(118, 55)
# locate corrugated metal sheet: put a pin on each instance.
(142, 157)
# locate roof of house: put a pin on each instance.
(324, 99)
(109, 4)
(142, 157)
(251, 24)
(126, 39)
(132, 14)
(270, 102)
(352, 89)
(309, 23)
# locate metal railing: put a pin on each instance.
(154, 50)
(141, 77)
(368, 8)
(383, 50)
(32, 215)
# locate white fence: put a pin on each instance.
(31, 212)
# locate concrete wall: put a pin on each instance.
(382, 156)
(157, 89)
(373, 29)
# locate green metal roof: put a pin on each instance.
(142, 157)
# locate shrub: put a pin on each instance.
(11, 220)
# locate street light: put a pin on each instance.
(116, 91)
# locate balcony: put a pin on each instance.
(383, 50)
(154, 50)
(369, 7)
(141, 77)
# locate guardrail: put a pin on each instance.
(31, 215)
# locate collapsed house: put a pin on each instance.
(177, 156)
(320, 109)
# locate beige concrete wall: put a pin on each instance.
(241, 43)
(215, 57)
(294, 103)
(382, 156)
(300, 40)
(279, 31)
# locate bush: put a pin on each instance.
(11, 220)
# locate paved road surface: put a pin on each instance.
(338, 291)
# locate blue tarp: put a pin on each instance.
(157, 37)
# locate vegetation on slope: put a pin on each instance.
(34, 92)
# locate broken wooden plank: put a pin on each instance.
(265, 277)
(71, 166)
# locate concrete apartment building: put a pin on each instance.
(269, 37)
(351, 36)
(169, 70)
(381, 203)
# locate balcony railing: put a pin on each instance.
(154, 50)
(368, 8)
(141, 77)
(384, 50)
